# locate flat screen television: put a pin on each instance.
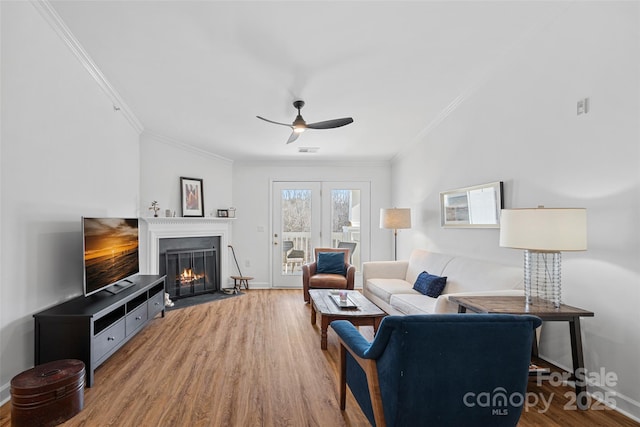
(111, 254)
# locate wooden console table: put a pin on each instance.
(547, 312)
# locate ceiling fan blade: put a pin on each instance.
(293, 137)
(275, 123)
(330, 124)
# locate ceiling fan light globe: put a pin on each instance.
(298, 129)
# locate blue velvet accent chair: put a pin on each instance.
(439, 369)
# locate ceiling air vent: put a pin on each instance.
(308, 149)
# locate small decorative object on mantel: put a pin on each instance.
(155, 208)
(191, 195)
(223, 213)
(232, 212)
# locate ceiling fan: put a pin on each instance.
(299, 125)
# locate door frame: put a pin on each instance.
(325, 237)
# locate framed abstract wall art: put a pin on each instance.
(191, 196)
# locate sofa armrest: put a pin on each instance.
(384, 270)
(444, 305)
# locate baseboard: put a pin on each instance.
(622, 403)
(5, 393)
(609, 397)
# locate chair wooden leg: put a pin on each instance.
(371, 371)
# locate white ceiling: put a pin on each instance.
(199, 72)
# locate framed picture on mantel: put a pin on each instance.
(191, 195)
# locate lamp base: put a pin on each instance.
(542, 276)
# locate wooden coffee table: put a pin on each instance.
(366, 313)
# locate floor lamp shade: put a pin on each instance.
(395, 219)
(543, 234)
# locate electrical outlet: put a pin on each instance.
(247, 263)
(583, 106)
(260, 229)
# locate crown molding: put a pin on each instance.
(55, 21)
(484, 76)
(183, 146)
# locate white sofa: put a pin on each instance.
(389, 284)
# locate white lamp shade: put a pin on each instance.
(544, 229)
(395, 218)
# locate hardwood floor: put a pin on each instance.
(253, 360)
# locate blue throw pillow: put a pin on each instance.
(330, 263)
(430, 285)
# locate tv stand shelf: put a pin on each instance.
(93, 328)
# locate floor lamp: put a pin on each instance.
(543, 234)
(395, 219)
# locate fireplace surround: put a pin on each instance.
(153, 230)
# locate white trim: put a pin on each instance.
(184, 146)
(55, 21)
(154, 229)
(483, 77)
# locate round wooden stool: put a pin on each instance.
(48, 394)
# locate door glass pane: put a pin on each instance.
(345, 222)
(296, 229)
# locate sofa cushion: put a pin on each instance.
(384, 288)
(414, 303)
(328, 281)
(330, 263)
(429, 284)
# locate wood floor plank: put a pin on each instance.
(252, 360)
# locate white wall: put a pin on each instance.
(520, 126)
(252, 199)
(64, 153)
(164, 161)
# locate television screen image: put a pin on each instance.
(110, 253)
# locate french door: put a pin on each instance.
(311, 214)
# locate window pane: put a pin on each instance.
(296, 229)
(345, 222)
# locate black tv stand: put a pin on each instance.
(119, 287)
(92, 328)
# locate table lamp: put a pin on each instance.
(395, 219)
(543, 234)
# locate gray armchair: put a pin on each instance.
(352, 248)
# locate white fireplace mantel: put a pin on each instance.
(153, 229)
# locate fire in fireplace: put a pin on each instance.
(191, 271)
